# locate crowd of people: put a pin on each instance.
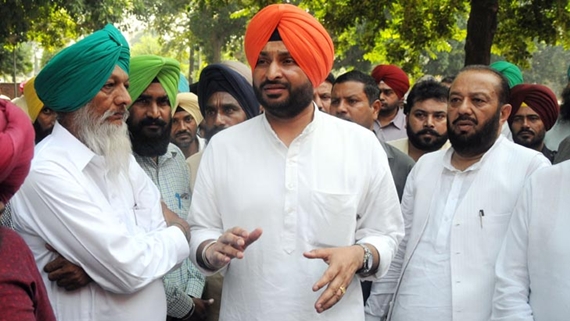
(279, 191)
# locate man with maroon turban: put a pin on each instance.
(535, 110)
(294, 237)
(393, 83)
(23, 295)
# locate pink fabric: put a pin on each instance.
(17, 148)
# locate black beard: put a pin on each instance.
(298, 99)
(423, 144)
(41, 133)
(149, 146)
(478, 142)
(534, 143)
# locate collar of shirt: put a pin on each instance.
(399, 121)
(447, 157)
(317, 118)
(81, 154)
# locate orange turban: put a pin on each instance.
(538, 97)
(305, 38)
(394, 77)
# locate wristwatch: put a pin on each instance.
(368, 261)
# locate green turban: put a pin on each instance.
(510, 71)
(145, 68)
(77, 73)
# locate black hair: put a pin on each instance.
(330, 78)
(370, 87)
(424, 90)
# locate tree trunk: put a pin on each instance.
(191, 64)
(481, 29)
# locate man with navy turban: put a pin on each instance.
(226, 98)
(287, 203)
(87, 197)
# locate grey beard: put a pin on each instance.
(105, 139)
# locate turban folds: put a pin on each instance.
(189, 102)
(34, 103)
(76, 74)
(145, 68)
(17, 145)
(219, 77)
(394, 77)
(306, 39)
(538, 97)
(510, 71)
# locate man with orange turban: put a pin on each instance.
(535, 110)
(286, 203)
(393, 83)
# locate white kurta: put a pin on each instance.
(114, 230)
(471, 240)
(331, 187)
(533, 268)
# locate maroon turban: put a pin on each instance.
(538, 97)
(394, 77)
(17, 148)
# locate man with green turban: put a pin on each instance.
(510, 71)
(153, 88)
(87, 197)
(514, 76)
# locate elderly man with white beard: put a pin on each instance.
(87, 197)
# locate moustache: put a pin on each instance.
(182, 132)
(152, 122)
(273, 82)
(428, 131)
(525, 132)
(465, 117)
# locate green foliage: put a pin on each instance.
(23, 63)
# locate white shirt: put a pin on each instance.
(332, 187)
(114, 230)
(496, 182)
(533, 267)
(426, 286)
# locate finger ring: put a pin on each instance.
(342, 289)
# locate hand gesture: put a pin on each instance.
(343, 263)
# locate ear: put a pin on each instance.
(376, 105)
(505, 113)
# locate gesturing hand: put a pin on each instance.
(229, 245)
(343, 263)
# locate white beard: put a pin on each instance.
(105, 139)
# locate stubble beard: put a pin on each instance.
(297, 101)
(105, 139)
(534, 143)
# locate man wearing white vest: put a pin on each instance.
(457, 205)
